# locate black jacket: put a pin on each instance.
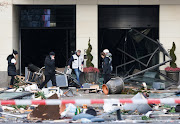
(49, 66)
(11, 66)
(106, 66)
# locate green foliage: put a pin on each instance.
(16, 82)
(166, 106)
(40, 94)
(173, 56)
(89, 55)
(19, 106)
(129, 91)
(145, 118)
(172, 110)
(124, 112)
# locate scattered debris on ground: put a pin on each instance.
(45, 112)
(27, 88)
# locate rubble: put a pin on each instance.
(45, 112)
(50, 91)
(141, 108)
(158, 86)
(69, 111)
(177, 108)
(69, 93)
(97, 120)
(40, 95)
(7, 108)
(85, 120)
(7, 95)
(82, 115)
(90, 88)
(61, 81)
(91, 111)
(1, 109)
(108, 107)
(79, 113)
(32, 87)
(86, 113)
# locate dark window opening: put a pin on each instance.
(115, 24)
(45, 29)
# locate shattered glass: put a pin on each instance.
(145, 57)
(14, 95)
(149, 80)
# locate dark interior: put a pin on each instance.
(45, 29)
(37, 43)
(115, 24)
(113, 39)
(140, 16)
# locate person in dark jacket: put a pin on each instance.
(49, 70)
(12, 66)
(106, 65)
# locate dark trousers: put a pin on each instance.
(12, 80)
(47, 79)
(107, 77)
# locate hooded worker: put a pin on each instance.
(49, 70)
(106, 65)
(12, 61)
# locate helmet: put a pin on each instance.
(106, 51)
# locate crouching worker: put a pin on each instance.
(77, 61)
(106, 65)
(49, 70)
(12, 66)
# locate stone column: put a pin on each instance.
(87, 27)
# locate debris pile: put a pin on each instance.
(70, 113)
(45, 112)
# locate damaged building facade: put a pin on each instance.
(36, 27)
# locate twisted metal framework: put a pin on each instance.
(159, 49)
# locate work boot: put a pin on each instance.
(11, 86)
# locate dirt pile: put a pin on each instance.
(46, 112)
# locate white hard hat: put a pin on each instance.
(106, 51)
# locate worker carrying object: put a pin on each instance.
(12, 61)
(77, 61)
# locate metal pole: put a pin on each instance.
(157, 42)
(20, 53)
(160, 47)
(132, 61)
(152, 56)
(119, 114)
(147, 69)
(166, 77)
(145, 36)
(131, 57)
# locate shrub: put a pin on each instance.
(89, 55)
(173, 65)
(173, 56)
